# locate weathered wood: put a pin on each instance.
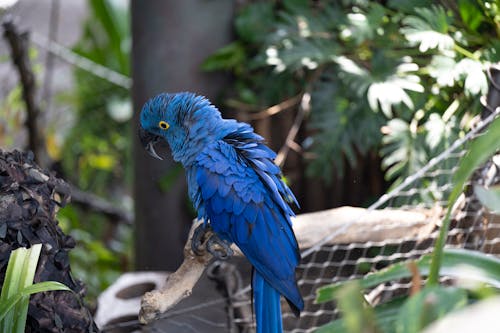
(179, 284)
(358, 225)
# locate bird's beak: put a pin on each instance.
(148, 141)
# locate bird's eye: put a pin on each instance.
(163, 125)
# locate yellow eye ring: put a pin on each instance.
(163, 125)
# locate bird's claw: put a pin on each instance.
(217, 247)
(198, 239)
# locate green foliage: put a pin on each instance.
(433, 301)
(489, 197)
(401, 78)
(18, 286)
(427, 306)
(96, 154)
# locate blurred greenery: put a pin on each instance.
(398, 77)
(95, 155)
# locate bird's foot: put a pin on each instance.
(204, 239)
(199, 239)
(219, 248)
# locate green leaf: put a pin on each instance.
(228, 57)
(490, 197)
(471, 14)
(109, 20)
(18, 262)
(18, 285)
(428, 305)
(482, 148)
(485, 269)
(475, 78)
(358, 317)
(387, 94)
(409, 6)
(20, 272)
(442, 68)
(436, 128)
(428, 29)
(27, 291)
(386, 315)
(254, 22)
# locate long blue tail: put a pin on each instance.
(267, 306)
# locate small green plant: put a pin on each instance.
(411, 314)
(18, 286)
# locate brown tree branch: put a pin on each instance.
(275, 109)
(179, 284)
(19, 45)
(100, 205)
(304, 109)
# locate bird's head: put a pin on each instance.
(184, 120)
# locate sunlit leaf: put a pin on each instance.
(383, 89)
(428, 29)
(101, 161)
(120, 109)
(435, 127)
(442, 68)
(490, 197)
(386, 94)
(475, 78)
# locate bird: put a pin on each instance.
(237, 190)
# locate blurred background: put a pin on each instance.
(355, 96)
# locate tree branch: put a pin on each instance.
(100, 205)
(179, 284)
(19, 44)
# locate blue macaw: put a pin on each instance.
(236, 189)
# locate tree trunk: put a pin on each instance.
(170, 41)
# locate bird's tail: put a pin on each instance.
(267, 306)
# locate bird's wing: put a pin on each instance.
(243, 208)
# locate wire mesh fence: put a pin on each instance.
(472, 228)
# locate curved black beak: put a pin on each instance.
(148, 141)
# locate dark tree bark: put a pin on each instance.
(170, 41)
